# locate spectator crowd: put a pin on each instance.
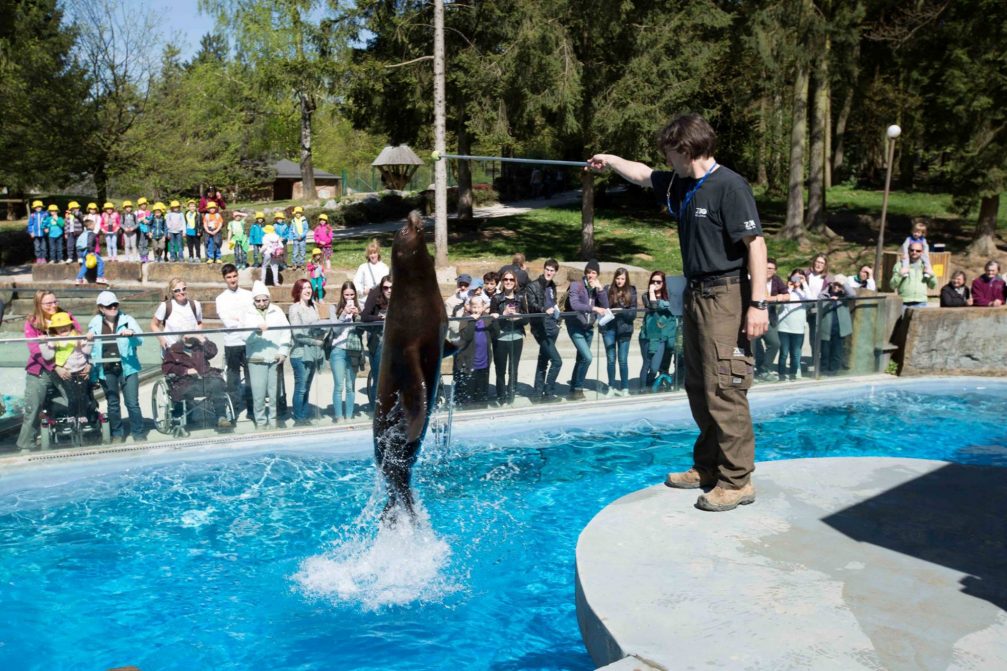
(491, 318)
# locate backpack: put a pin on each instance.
(167, 310)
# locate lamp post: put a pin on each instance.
(892, 134)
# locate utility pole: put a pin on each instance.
(440, 167)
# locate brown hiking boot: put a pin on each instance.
(721, 499)
(690, 479)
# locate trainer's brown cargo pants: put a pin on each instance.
(718, 374)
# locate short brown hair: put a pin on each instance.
(691, 135)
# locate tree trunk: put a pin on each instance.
(986, 228)
(794, 229)
(587, 251)
(828, 130)
(844, 114)
(815, 219)
(101, 181)
(440, 167)
(762, 178)
(464, 174)
(307, 169)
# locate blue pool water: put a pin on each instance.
(271, 561)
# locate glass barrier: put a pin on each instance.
(210, 389)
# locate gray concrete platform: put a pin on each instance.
(841, 563)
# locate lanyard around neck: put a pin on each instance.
(688, 196)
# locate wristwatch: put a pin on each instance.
(760, 305)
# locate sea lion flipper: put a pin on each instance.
(414, 406)
(449, 348)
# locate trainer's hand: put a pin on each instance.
(600, 162)
(756, 323)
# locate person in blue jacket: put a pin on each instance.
(117, 366)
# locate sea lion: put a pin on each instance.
(411, 351)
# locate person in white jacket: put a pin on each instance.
(272, 253)
(369, 273)
(265, 350)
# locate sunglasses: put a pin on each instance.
(386, 288)
(180, 290)
(508, 279)
(260, 300)
(657, 281)
(112, 306)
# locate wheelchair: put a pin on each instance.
(70, 415)
(176, 417)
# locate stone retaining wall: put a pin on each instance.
(954, 341)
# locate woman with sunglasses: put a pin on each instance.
(346, 356)
(618, 333)
(657, 336)
(176, 313)
(38, 371)
(375, 309)
(506, 305)
(117, 365)
(306, 355)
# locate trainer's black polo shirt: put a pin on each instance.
(712, 229)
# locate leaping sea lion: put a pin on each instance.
(411, 351)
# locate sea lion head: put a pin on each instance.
(409, 243)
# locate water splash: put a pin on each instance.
(374, 565)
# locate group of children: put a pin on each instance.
(162, 233)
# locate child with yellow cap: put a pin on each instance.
(111, 223)
(36, 229)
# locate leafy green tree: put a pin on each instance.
(289, 52)
(119, 46)
(44, 113)
(960, 66)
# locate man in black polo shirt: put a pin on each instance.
(724, 255)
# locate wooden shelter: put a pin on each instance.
(397, 166)
(287, 182)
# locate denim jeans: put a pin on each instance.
(130, 387)
(549, 363)
(372, 376)
(112, 245)
(83, 267)
(765, 349)
(298, 248)
(56, 249)
(581, 338)
(304, 373)
(41, 247)
(213, 246)
(651, 362)
(237, 367)
(175, 246)
(790, 346)
(617, 347)
(344, 376)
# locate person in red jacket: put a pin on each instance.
(989, 290)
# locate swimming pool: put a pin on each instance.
(266, 561)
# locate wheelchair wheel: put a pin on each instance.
(45, 433)
(161, 406)
(229, 411)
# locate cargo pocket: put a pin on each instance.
(734, 367)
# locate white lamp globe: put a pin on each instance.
(894, 131)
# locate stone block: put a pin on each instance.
(115, 271)
(954, 341)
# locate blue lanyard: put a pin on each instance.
(688, 196)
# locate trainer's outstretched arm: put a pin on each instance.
(631, 171)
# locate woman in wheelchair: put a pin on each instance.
(71, 376)
(193, 383)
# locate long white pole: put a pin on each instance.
(440, 167)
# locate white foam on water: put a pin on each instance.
(376, 565)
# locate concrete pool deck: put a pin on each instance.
(841, 563)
